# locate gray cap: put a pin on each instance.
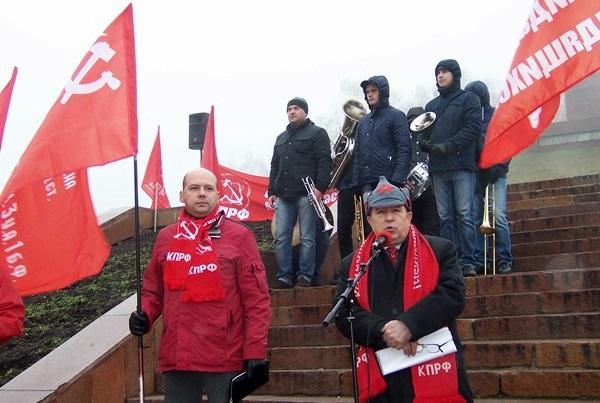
(387, 195)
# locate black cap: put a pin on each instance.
(301, 102)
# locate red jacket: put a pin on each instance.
(12, 310)
(212, 336)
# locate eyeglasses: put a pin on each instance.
(432, 348)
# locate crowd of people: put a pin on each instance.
(207, 280)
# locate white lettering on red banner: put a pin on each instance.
(584, 36)
(434, 369)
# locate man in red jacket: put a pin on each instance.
(207, 279)
(12, 310)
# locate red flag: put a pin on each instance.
(5, 101)
(94, 120)
(210, 160)
(559, 48)
(49, 231)
(153, 183)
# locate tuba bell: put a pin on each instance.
(418, 178)
(354, 110)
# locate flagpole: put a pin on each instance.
(155, 204)
(138, 273)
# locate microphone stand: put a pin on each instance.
(344, 299)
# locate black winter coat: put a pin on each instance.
(459, 127)
(383, 145)
(440, 308)
(300, 152)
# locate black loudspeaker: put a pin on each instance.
(198, 123)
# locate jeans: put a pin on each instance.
(503, 242)
(187, 386)
(454, 194)
(287, 211)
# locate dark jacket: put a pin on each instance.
(440, 308)
(300, 152)
(491, 174)
(458, 125)
(383, 145)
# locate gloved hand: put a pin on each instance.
(425, 145)
(252, 365)
(139, 324)
(439, 149)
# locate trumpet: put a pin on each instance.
(344, 145)
(317, 204)
(358, 218)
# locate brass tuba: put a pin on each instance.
(354, 110)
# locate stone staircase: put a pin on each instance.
(533, 334)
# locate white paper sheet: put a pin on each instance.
(391, 360)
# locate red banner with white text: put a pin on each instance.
(49, 231)
(560, 47)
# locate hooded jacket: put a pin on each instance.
(458, 124)
(489, 175)
(383, 145)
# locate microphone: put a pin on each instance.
(383, 238)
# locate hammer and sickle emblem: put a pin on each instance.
(187, 230)
(99, 50)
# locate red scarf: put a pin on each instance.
(421, 273)
(192, 265)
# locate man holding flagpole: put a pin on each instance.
(208, 281)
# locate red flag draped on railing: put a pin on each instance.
(560, 47)
(5, 101)
(153, 183)
(49, 231)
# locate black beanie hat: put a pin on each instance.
(413, 113)
(301, 102)
(452, 66)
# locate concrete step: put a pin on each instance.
(543, 354)
(544, 223)
(532, 303)
(556, 261)
(299, 315)
(554, 211)
(321, 382)
(541, 281)
(278, 399)
(555, 201)
(554, 234)
(547, 326)
(536, 383)
(302, 296)
(307, 335)
(315, 357)
(554, 192)
(554, 247)
(554, 183)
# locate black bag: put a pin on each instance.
(242, 385)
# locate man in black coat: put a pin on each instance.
(302, 150)
(410, 290)
(382, 147)
(452, 149)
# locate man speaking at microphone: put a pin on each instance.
(413, 288)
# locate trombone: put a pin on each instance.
(488, 229)
(317, 204)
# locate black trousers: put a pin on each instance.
(345, 220)
(425, 215)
